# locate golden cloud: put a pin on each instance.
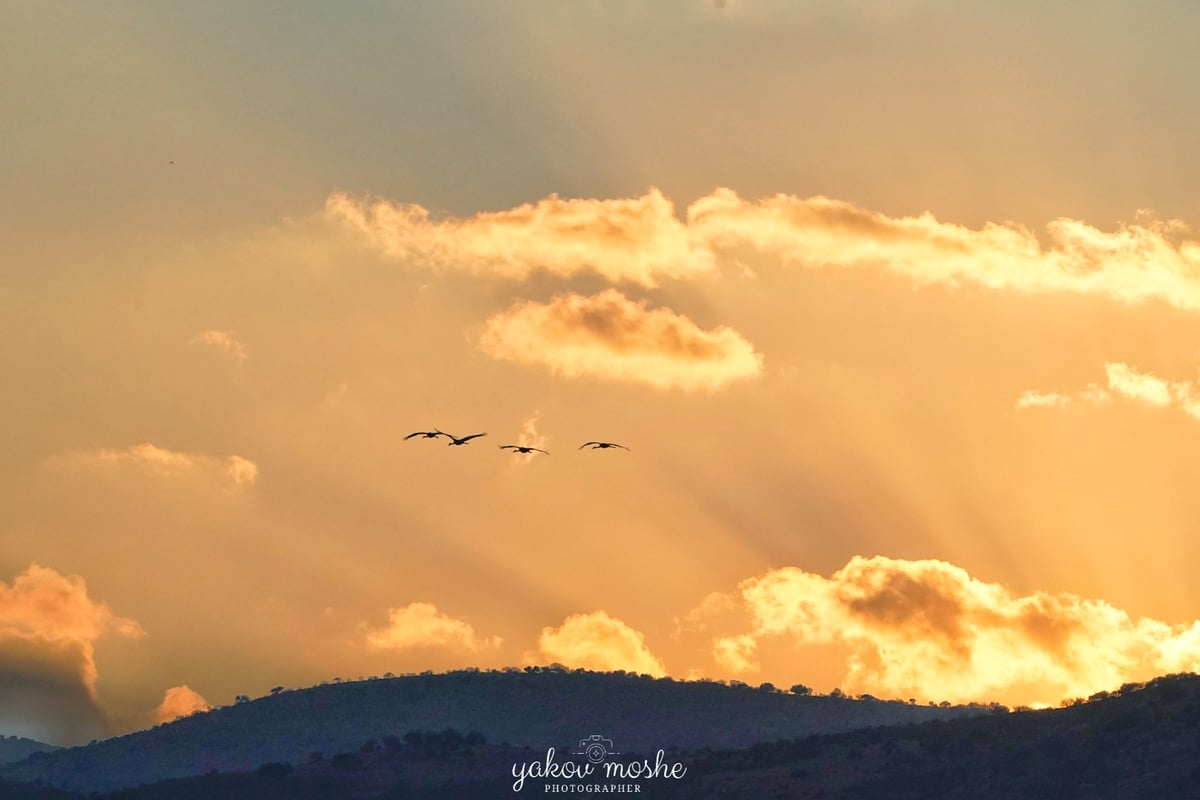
(1033, 399)
(225, 341)
(179, 701)
(530, 437)
(1148, 260)
(1141, 386)
(1123, 381)
(735, 653)
(702, 616)
(641, 240)
(422, 625)
(927, 628)
(43, 606)
(233, 472)
(610, 336)
(636, 240)
(597, 641)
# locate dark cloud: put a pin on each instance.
(44, 693)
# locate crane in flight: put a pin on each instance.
(427, 434)
(455, 441)
(602, 445)
(520, 448)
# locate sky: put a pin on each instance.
(896, 307)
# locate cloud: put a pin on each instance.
(1138, 262)
(1124, 382)
(529, 433)
(641, 240)
(637, 240)
(610, 336)
(927, 628)
(241, 471)
(44, 604)
(44, 692)
(225, 341)
(599, 642)
(422, 625)
(232, 472)
(735, 653)
(48, 629)
(1140, 386)
(1093, 395)
(1032, 399)
(713, 606)
(179, 701)
(530, 437)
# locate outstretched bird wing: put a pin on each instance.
(469, 438)
(585, 444)
(417, 433)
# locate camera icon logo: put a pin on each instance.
(596, 748)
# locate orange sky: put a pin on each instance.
(895, 305)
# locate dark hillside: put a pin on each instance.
(25, 791)
(15, 748)
(540, 708)
(1141, 742)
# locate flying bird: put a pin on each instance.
(460, 440)
(427, 434)
(520, 448)
(602, 445)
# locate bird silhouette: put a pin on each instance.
(602, 445)
(427, 434)
(459, 440)
(520, 448)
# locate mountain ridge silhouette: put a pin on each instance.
(539, 708)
